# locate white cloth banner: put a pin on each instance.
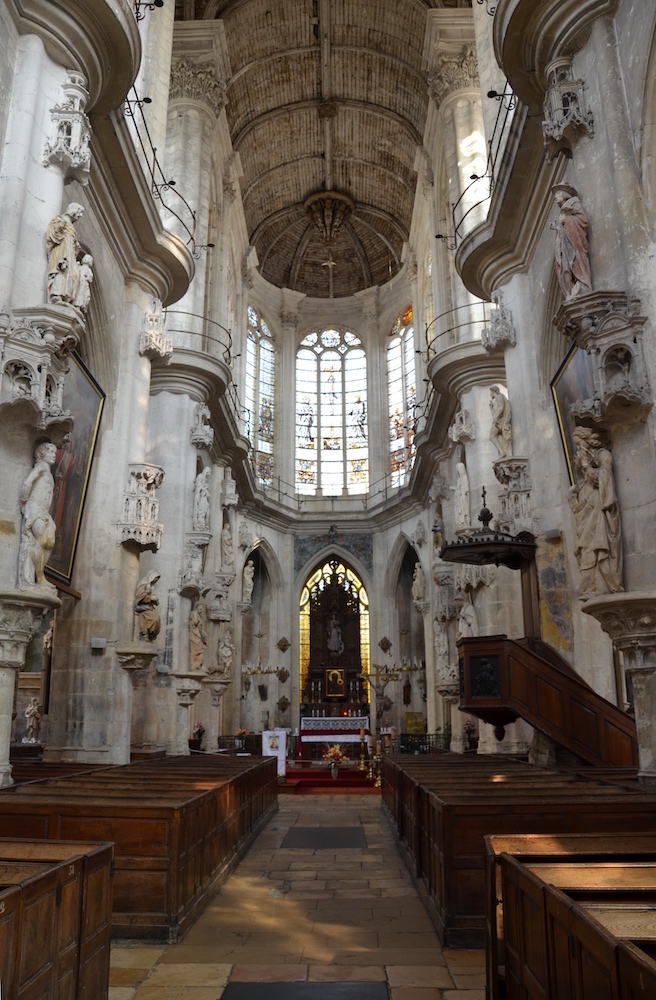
(274, 744)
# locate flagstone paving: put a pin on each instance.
(303, 915)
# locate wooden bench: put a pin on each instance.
(179, 826)
(443, 806)
(55, 919)
(609, 875)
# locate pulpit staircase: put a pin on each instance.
(502, 680)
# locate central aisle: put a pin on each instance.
(308, 915)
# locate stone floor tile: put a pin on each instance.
(413, 939)
(120, 993)
(269, 974)
(127, 977)
(414, 993)
(465, 956)
(436, 976)
(127, 956)
(463, 995)
(476, 982)
(178, 993)
(190, 974)
(346, 974)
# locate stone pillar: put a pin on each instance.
(20, 614)
(630, 621)
(187, 687)
(131, 656)
(216, 688)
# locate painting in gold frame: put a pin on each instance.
(84, 398)
(573, 383)
(335, 682)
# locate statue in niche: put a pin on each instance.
(38, 529)
(197, 636)
(33, 719)
(593, 502)
(572, 261)
(501, 429)
(248, 582)
(227, 550)
(225, 650)
(439, 533)
(63, 249)
(84, 279)
(440, 641)
(461, 497)
(201, 516)
(145, 607)
(334, 639)
(418, 584)
(467, 617)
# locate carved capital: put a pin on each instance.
(630, 620)
(20, 615)
(216, 688)
(195, 82)
(187, 687)
(453, 73)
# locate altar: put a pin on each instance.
(335, 729)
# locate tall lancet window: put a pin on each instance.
(259, 395)
(401, 397)
(332, 448)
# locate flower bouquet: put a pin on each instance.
(199, 731)
(335, 755)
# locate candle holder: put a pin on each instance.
(362, 766)
(378, 757)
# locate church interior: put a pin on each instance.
(326, 420)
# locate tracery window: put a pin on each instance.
(332, 448)
(259, 395)
(401, 397)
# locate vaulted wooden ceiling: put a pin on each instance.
(325, 96)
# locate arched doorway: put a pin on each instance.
(334, 642)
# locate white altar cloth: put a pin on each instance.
(335, 729)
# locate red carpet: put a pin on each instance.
(304, 780)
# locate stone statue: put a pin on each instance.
(245, 536)
(501, 429)
(63, 250)
(84, 279)
(33, 718)
(439, 533)
(247, 584)
(461, 497)
(227, 551)
(467, 617)
(418, 584)
(334, 640)
(440, 640)
(201, 517)
(572, 262)
(226, 649)
(197, 636)
(38, 530)
(593, 501)
(145, 607)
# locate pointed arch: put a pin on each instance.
(270, 560)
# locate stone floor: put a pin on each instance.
(298, 915)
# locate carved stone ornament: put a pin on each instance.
(469, 577)
(135, 655)
(191, 583)
(607, 325)
(223, 582)
(515, 497)
(445, 609)
(138, 527)
(153, 342)
(500, 334)
(70, 131)
(453, 73)
(283, 675)
(283, 644)
(202, 433)
(385, 644)
(229, 495)
(219, 609)
(462, 428)
(34, 349)
(566, 115)
(20, 617)
(244, 535)
(419, 536)
(439, 488)
(283, 704)
(194, 82)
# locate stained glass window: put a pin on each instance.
(350, 582)
(259, 396)
(401, 397)
(332, 448)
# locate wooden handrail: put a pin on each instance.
(502, 680)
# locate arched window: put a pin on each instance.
(401, 397)
(332, 449)
(259, 395)
(334, 593)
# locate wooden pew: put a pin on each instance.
(179, 826)
(55, 918)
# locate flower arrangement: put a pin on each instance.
(199, 731)
(334, 755)
(242, 732)
(469, 728)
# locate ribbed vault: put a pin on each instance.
(325, 96)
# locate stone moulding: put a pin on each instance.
(139, 526)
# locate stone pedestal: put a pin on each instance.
(132, 656)
(187, 686)
(20, 614)
(216, 688)
(630, 620)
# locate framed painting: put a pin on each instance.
(414, 723)
(335, 682)
(85, 400)
(573, 383)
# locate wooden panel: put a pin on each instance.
(636, 971)
(10, 903)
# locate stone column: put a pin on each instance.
(216, 688)
(630, 621)
(131, 656)
(187, 687)
(20, 614)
